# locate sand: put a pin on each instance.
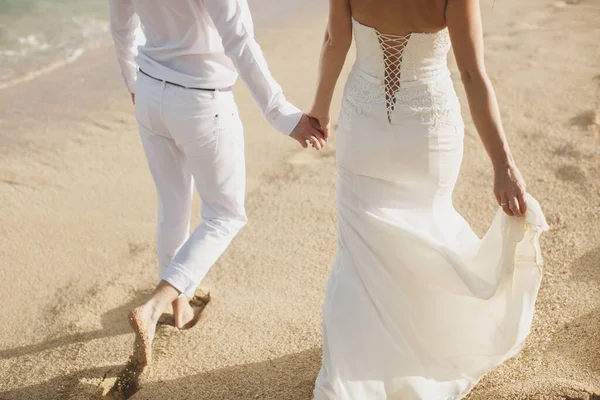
(77, 223)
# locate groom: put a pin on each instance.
(191, 132)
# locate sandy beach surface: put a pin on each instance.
(77, 224)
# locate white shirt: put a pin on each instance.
(198, 43)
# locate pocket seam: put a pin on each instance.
(214, 139)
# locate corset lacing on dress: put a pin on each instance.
(392, 47)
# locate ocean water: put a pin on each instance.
(40, 35)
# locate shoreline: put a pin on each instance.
(265, 16)
(42, 71)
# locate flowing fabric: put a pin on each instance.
(417, 307)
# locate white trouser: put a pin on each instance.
(192, 136)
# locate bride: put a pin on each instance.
(417, 306)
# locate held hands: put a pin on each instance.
(509, 189)
(323, 119)
(309, 132)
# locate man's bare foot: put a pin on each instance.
(143, 321)
(187, 312)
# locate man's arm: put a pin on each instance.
(234, 26)
(124, 26)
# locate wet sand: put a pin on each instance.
(77, 225)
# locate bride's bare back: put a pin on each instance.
(401, 17)
(394, 21)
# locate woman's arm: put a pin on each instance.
(338, 38)
(464, 25)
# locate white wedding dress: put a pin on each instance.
(417, 306)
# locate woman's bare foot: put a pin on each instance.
(187, 312)
(143, 321)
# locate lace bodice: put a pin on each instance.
(389, 68)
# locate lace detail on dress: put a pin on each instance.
(392, 47)
(401, 77)
(434, 105)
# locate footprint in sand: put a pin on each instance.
(571, 173)
(126, 384)
(542, 389)
(588, 120)
(101, 125)
(568, 150)
(11, 182)
(136, 249)
(567, 3)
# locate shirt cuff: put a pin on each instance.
(285, 118)
(131, 83)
